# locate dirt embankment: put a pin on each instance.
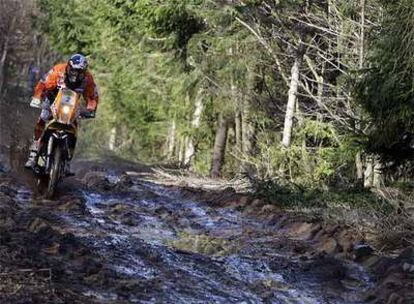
(17, 122)
(111, 237)
(394, 273)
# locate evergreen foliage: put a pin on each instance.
(386, 89)
(171, 70)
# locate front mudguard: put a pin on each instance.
(50, 140)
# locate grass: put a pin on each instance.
(384, 215)
(294, 196)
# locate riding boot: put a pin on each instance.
(32, 159)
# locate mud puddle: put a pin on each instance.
(150, 245)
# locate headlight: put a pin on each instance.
(66, 110)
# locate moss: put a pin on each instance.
(203, 244)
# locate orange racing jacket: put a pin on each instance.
(50, 83)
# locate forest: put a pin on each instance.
(316, 92)
(310, 101)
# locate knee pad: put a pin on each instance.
(45, 114)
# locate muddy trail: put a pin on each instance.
(116, 238)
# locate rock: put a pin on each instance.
(328, 245)
(130, 220)
(8, 206)
(282, 222)
(118, 208)
(37, 225)
(182, 184)
(371, 261)
(408, 267)
(362, 251)
(341, 256)
(395, 267)
(314, 231)
(407, 255)
(257, 203)
(8, 190)
(95, 179)
(245, 200)
(73, 205)
(331, 229)
(346, 240)
(229, 190)
(382, 265)
(184, 222)
(273, 219)
(43, 230)
(319, 234)
(4, 166)
(269, 209)
(91, 267)
(300, 249)
(370, 297)
(301, 230)
(395, 298)
(52, 250)
(7, 223)
(393, 280)
(395, 285)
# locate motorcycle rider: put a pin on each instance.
(73, 75)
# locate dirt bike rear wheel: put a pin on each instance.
(55, 173)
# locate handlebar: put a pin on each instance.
(46, 104)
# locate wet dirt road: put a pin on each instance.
(122, 239)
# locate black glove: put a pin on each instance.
(88, 114)
(91, 114)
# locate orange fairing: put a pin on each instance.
(65, 108)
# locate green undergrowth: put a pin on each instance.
(296, 197)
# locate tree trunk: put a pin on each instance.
(171, 140)
(5, 52)
(290, 109)
(219, 149)
(378, 175)
(3, 62)
(238, 119)
(359, 168)
(359, 161)
(112, 139)
(362, 36)
(248, 139)
(369, 172)
(195, 124)
(373, 173)
(181, 149)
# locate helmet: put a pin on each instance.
(76, 69)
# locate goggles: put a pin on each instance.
(75, 74)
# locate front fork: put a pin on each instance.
(67, 153)
(49, 152)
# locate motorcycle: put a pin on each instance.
(57, 143)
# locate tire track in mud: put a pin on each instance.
(125, 240)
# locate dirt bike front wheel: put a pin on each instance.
(55, 172)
